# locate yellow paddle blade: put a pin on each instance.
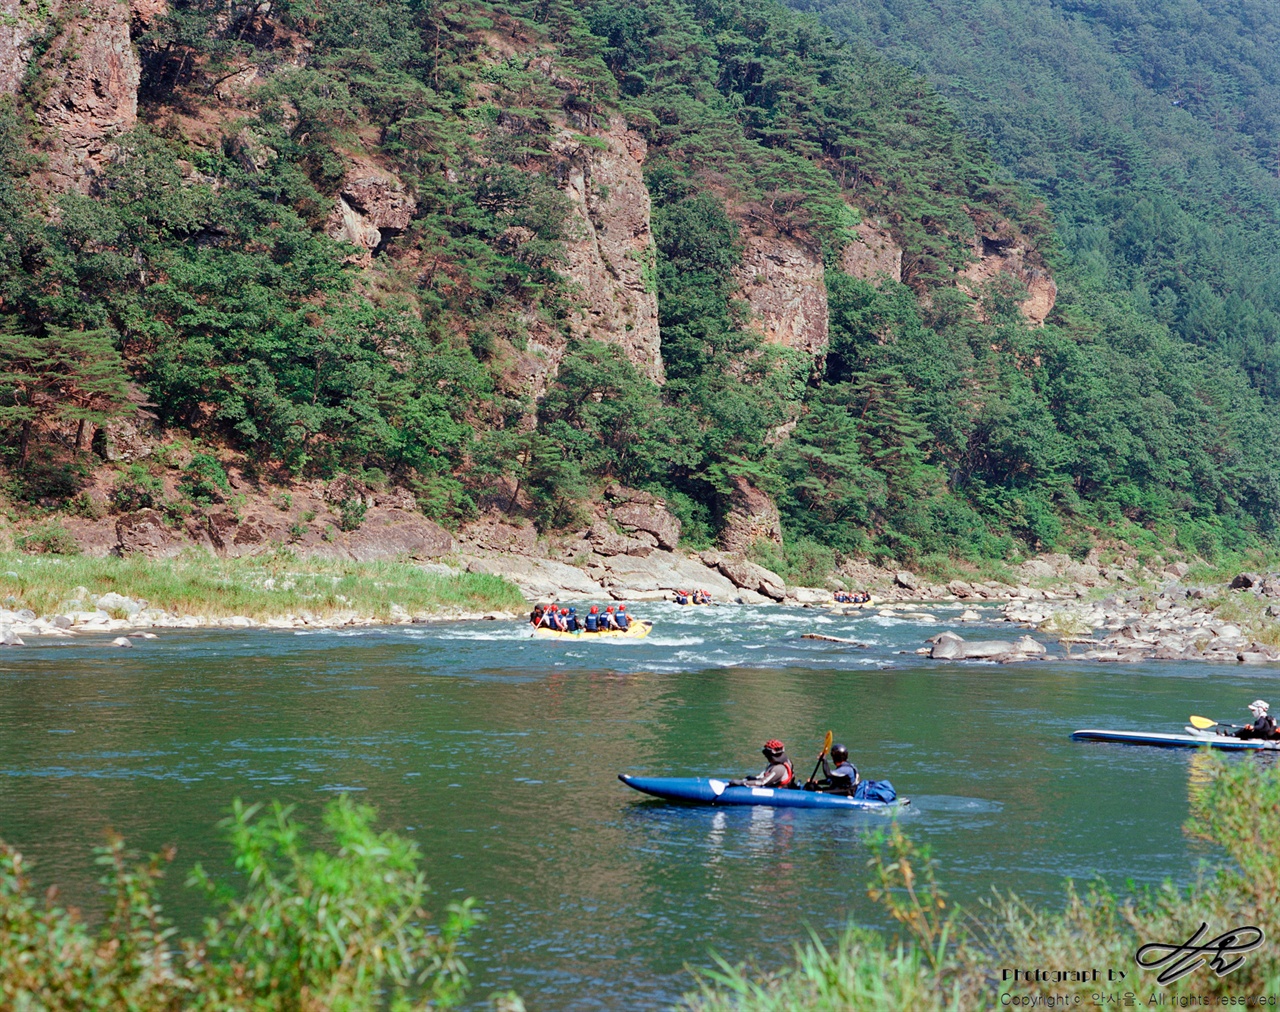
(1204, 723)
(826, 743)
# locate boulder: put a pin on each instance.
(1252, 657)
(393, 534)
(980, 649)
(1036, 569)
(1245, 581)
(539, 579)
(947, 647)
(118, 602)
(146, 533)
(906, 580)
(960, 588)
(605, 541)
(651, 518)
(1270, 586)
(750, 576)
(121, 641)
(1028, 645)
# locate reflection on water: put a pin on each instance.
(499, 753)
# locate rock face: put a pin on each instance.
(752, 517)
(999, 255)
(612, 255)
(393, 534)
(145, 533)
(93, 73)
(872, 254)
(783, 283)
(641, 511)
(369, 210)
(495, 534)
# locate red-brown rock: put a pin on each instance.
(752, 517)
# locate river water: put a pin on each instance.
(499, 755)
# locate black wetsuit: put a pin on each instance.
(1264, 727)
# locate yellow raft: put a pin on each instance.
(637, 631)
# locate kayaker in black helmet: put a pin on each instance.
(779, 772)
(840, 779)
(1263, 726)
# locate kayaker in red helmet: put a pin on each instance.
(622, 618)
(608, 621)
(593, 619)
(779, 772)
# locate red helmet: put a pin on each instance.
(594, 609)
(564, 611)
(610, 608)
(773, 745)
(622, 607)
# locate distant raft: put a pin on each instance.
(636, 631)
(1193, 739)
(710, 791)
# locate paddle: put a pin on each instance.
(1204, 723)
(826, 744)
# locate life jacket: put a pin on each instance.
(571, 623)
(593, 623)
(791, 774)
(622, 620)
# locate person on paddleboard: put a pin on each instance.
(1263, 726)
(841, 778)
(778, 773)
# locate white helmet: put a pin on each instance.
(1259, 707)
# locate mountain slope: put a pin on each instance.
(503, 255)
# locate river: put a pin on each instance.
(499, 755)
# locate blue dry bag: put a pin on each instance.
(875, 790)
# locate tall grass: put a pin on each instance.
(944, 957)
(263, 587)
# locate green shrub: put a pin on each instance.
(137, 488)
(351, 513)
(337, 927)
(50, 476)
(203, 480)
(48, 539)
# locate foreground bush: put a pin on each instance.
(342, 928)
(948, 958)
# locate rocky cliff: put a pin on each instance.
(89, 74)
(610, 255)
(782, 281)
(1001, 258)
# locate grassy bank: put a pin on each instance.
(947, 958)
(264, 587)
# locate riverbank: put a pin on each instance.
(45, 595)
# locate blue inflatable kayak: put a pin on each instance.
(1194, 739)
(710, 791)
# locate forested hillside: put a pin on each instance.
(502, 255)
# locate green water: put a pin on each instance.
(499, 755)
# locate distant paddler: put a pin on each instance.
(1263, 726)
